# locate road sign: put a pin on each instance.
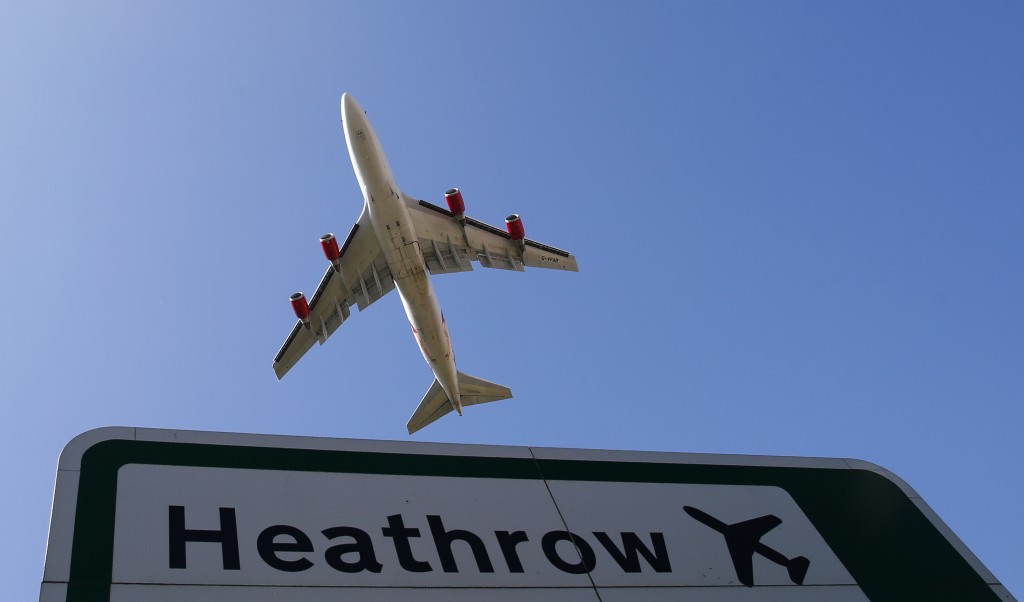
(155, 515)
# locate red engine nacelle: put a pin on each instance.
(455, 204)
(515, 227)
(330, 246)
(300, 307)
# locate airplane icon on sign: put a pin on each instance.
(744, 540)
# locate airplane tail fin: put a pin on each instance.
(435, 402)
(797, 568)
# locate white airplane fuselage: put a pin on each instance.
(397, 237)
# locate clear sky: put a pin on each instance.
(798, 224)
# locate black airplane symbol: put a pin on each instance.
(744, 539)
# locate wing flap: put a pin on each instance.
(373, 282)
(444, 257)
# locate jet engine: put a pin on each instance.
(516, 231)
(329, 244)
(515, 227)
(455, 204)
(300, 307)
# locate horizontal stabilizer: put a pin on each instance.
(477, 390)
(433, 405)
(797, 568)
(435, 402)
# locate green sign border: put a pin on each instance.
(892, 550)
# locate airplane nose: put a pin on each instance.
(349, 107)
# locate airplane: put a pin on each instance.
(398, 242)
(744, 540)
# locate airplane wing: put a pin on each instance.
(449, 246)
(742, 539)
(364, 278)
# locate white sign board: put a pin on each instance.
(155, 515)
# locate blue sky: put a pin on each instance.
(798, 226)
